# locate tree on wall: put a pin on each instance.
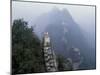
(64, 64)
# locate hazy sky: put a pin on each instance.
(83, 15)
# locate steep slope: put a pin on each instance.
(66, 34)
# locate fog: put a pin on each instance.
(83, 15)
(80, 29)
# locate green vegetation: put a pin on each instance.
(64, 64)
(26, 49)
(27, 55)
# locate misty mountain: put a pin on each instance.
(67, 37)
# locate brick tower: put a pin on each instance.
(49, 55)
